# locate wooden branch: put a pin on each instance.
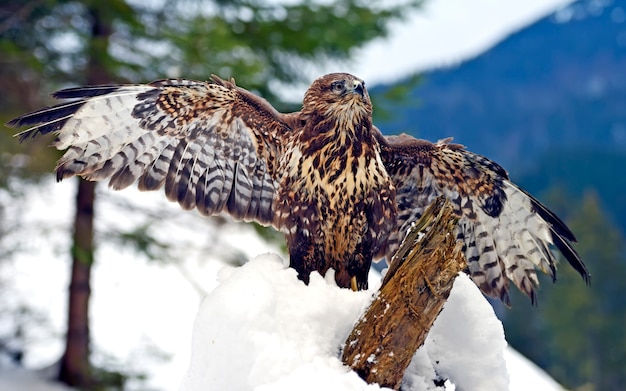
(414, 290)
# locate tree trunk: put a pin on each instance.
(75, 369)
(414, 290)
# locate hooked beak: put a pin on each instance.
(357, 88)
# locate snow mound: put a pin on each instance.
(526, 375)
(263, 329)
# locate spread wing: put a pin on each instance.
(213, 146)
(505, 231)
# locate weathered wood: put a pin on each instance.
(412, 294)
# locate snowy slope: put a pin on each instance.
(262, 329)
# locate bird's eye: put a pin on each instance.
(337, 86)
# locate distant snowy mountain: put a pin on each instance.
(556, 83)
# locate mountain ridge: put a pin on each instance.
(558, 83)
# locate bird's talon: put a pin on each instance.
(353, 285)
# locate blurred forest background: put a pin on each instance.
(548, 103)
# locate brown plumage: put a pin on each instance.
(316, 175)
(335, 200)
(325, 176)
(506, 233)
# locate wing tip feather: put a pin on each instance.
(83, 92)
(572, 257)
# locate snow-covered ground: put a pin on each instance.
(262, 329)
(256, 326)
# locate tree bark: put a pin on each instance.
(414, 290)
(75, 369)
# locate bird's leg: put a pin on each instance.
(359, 266)
(298, 262)
(303, 257)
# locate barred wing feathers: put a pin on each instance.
(506, 233)
(213, 146)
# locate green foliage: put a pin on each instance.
(270, 235)
(142, 240)
(388, 100)
(257, 41)
(576, 333)
(265, 43)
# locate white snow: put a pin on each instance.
(263, 329)
(525, 375)
(467, 340)
(20, 379)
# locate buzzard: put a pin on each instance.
(341, 192)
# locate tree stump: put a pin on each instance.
(414, 290)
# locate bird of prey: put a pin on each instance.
(324, 176)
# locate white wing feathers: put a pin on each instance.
(196, 139)
(506, 233)
(102, 139)
(507, 247)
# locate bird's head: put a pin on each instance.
(338, 95)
